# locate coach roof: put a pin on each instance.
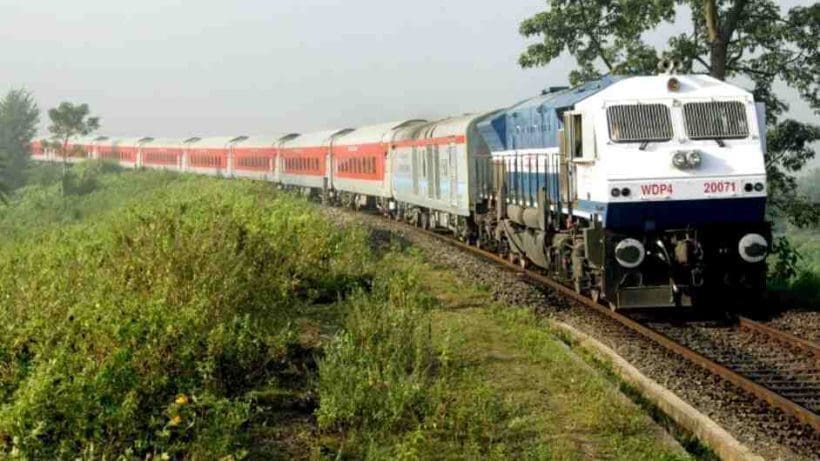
(265, 140)
(375, 133)
(315, 139)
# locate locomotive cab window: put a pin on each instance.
(575, 140)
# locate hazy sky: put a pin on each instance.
(184, 67)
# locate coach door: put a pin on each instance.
(451, 169)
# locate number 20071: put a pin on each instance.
(719, 187)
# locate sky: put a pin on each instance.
(180, 68)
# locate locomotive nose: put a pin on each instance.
(753, 248)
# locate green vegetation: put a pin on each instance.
(19, 116)
(801, 288)
(39, 207)
(146, 330)
(149, 314)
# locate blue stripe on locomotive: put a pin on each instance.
(524, 187)
(669, 214)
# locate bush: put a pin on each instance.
(376, 375)
(144, 331)
(82, 179)
(390, 392)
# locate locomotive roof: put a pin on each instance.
(647, 87)
(534, 122)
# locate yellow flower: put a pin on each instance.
(175, 420)
(182, 399)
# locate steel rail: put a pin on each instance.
(789, 407)
(780, 336)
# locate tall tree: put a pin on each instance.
(19, 116)
(69, 120)
(751, 40)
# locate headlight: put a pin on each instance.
(753, 248)
(629, 253)
(679, 160)
(694, 158)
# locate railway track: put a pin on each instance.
(774, 366)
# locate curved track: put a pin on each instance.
(778, 368)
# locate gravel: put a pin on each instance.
(766, 431)
(801, 323)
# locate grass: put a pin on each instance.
(154, 315)
(803, 290)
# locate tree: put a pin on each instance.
(750, 40)
(810, 185)
(19, 117)
(67, 121)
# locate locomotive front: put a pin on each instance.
(642, 191)
(678, 185)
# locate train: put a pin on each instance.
(638, 191)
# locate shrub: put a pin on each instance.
(376, 374)
(143, 331)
